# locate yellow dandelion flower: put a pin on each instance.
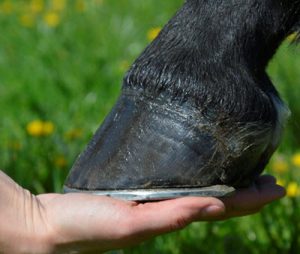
(291, 37)
(73, 134)
(292, 189)
(60, 161)
(15, 145)
(280, 165)
(52, 19)
(27, 20)
(48, 128)
(280, 182)
(80, 5)
(296, 159)
(35, 128)
(153, 33)
(38, 128)
(36, 6)
(7, 7)
(124, 65)
(98, 2)
(58, 5)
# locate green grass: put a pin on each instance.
(71, 75)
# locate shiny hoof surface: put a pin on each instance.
(147, 149)
(161, 194)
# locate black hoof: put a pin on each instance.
(151, 150)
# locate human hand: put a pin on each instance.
(102, 223)
(84, 223)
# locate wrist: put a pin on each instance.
(23, 227)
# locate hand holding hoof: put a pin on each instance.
(89, 222)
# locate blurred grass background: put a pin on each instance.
(61, 69)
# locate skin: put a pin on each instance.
(84, 223)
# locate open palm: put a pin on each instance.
(88, 223)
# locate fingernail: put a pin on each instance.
(279, 192)
(213, 210)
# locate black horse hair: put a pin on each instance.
(213, 54)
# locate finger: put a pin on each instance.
(165, 216)
(252, 199)
(265, 179)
